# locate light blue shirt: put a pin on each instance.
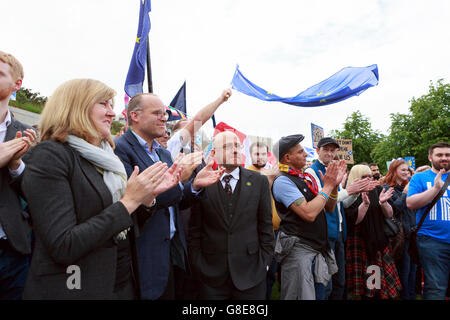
(285, 191)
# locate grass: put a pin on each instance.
(27, 106)
(275, 295)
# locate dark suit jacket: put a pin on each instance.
(75, 223)
(245, 244)
(12, 218)
(154, 236)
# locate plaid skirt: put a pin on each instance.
(356, 269)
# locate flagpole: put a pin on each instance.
(149, 68)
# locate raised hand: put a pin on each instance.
(385, 195)
(9, 149)
(365, 198)
(207, 176)
(30, 139)
(225, 95)
(342, 173)
(189, 162)
(438, 182)
(334, 173)
(361, 185)
(141, 187)
(170, 179)
(372, 185)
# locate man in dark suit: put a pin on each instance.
(15, 140)
(162, 249)
(231, 232)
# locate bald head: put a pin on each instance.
(226, 149)
(224, 136)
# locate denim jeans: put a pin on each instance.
(336, 288)
(13, 274)
(435, 259)
(407, 274)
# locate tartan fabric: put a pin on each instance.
(356, 266)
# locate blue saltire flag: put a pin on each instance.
(136, 71)
(309, 151)
(348, 82)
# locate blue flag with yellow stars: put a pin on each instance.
(136, 71)
(349, 82)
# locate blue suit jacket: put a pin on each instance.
(153, 243)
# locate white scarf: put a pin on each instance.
(114, 175)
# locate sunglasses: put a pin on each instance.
(366, 176)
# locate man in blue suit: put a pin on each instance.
(161, 245)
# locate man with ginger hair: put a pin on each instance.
(231, 232)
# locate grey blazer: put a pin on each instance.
(74, 222)
(13, 219)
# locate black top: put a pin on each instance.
(313, 234)
(123, 267)
(372, 231)
(401, 211)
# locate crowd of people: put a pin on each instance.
(145, 215)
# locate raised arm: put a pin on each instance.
(203, 115)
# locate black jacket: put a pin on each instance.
(13, 219)
(241, 247)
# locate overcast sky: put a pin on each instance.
(283, 46)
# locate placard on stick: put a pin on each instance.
(345, 151)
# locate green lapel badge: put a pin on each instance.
(249, 183)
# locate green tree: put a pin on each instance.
(427, 122)
(116, 126)
(364, 139)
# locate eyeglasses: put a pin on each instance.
(366, 176)
(162, 115)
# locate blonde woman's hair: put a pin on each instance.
(16, 66)
(67, 110)
(357, 172)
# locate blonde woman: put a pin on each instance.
(81, 202)
(366, 244)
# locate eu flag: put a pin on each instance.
(136, 71)
(349, 82)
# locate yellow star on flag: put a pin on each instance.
(137, 39)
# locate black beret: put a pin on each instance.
(327, 140)
(282, 146)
